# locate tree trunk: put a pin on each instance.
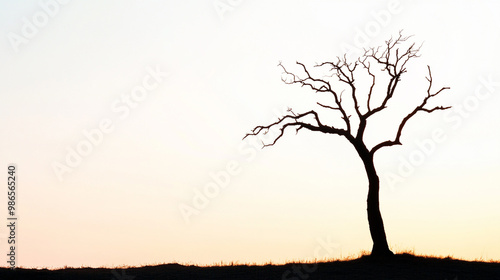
(377, 231)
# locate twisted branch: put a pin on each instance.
(298, 124)
(417, 109)
(388, 59)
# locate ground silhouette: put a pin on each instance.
(400, 266)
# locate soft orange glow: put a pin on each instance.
(178, 86)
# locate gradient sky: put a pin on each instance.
(120, 203)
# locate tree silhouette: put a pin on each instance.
(392, 61)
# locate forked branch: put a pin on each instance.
(318, 85)
(298, 124)
(393, 62)
(421, 107)
(389, 58)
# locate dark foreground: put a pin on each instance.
(399, 267)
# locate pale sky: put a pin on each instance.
(117, 114)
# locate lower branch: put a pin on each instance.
(298, 124)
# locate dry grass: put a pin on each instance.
(405, 265)
(362, 254)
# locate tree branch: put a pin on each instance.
(420, 107)
(366, 65)
(345, 73)
(394, 65)
(325, 86)
(389, 58)
(298, 124)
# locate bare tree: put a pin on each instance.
(392, 61)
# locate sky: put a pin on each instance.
(124, 120)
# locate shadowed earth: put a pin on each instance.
(403, 266)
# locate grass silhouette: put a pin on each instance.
(401, 266)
